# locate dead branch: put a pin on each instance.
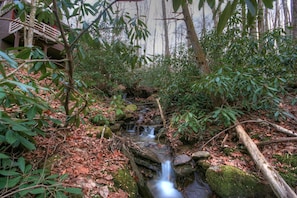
(280, 140)
(280, 128)
(161, 112)
(277, 183)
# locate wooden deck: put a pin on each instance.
(40, 28)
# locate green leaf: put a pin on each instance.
(60, 195)
(21, 164)
(8, 173)
(22, 86)
(19, 4)
(37, 191)
(211, 3)
(268, 3)
(26, 143)
(76, 191)
(3, 156)
(24, 54)
(226, 14)
(19, 127)
(10, 137)
(251, 7)
(9, 182)
(11, 62)
(176, 4)
(201, 3)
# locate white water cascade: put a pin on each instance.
(164, 185)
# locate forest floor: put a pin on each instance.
(90, 161)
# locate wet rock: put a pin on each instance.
(229, 181)
(123, 180)
(181, 159)
(200, 155)
(184, 170)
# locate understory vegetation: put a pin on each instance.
(248, 75)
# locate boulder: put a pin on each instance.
(181, 159)
(184, 170)
(229, 181)
(200, 155)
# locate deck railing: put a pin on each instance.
(4, 8)
(40, 28)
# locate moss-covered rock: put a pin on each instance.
(124, 181)
(229, 181)
(130, 108)
(107, 133)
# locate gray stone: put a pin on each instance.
(200, 155)
(181, 159)
(184, 170)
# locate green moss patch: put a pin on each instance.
(289, 168)
(124, 181)
(229, 181)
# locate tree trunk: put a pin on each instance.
(197, 48)
(260, 19)
(266, 21)
(243, 14)
(276, 19)
(277, 183)
(294, 18)
(30, 33)
(286, 14)
(203, 22)
(167, 52)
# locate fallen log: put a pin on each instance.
(277, 183)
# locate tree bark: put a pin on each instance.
(197, 48)
(30, 33)
(167, 52)
(260, 19)
(294, 18)
(277, 183)
(276, 19)
(286, 14)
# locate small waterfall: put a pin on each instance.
(164, 185)
(149, 131)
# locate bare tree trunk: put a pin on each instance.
(197, 48)
(137, 40)
(294, 18)
(216, 13)
(30, 33)
(276, 19)
(167, 52)
(260, 19)
(243, 14)
(266, 21)
(286, 14)
(203, 22)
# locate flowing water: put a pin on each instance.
(163, 186)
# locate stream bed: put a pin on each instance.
(160, 173)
